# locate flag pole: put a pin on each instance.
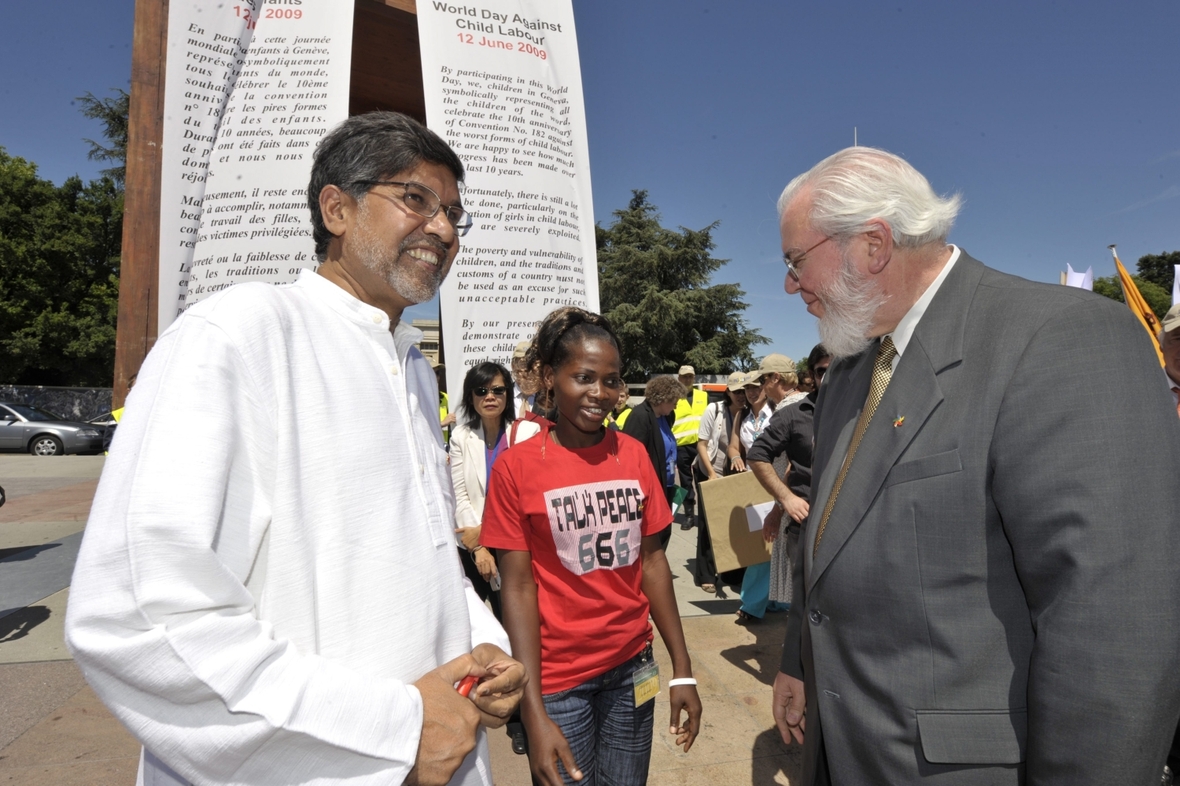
(1137, 304)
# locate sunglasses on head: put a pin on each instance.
(499, 390)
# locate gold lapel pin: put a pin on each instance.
(897, 423)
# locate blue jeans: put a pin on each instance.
(610, 737)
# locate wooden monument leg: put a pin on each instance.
(139, 268)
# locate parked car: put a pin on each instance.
(24, 428)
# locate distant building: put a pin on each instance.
(430, 334)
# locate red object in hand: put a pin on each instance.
(466, 684)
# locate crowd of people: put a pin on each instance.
(974, 521)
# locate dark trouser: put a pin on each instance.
(705, 571)
(665, 534)
(685, 456)
(482, 588)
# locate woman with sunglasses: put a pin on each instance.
(486, 430)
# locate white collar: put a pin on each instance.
(905, 328)
(354, 310)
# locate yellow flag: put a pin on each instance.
(1138, 305)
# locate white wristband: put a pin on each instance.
(681, 681)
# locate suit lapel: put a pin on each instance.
(913, 394)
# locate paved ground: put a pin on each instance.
(55, 732)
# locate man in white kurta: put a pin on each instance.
(269, 566)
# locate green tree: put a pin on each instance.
(1159, 269)
(59, 277)
(654, 288)
(112, 112)
(1158, 299)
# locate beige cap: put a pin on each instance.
(736, 381)
(521, 349)
(774, 363)
(1172, 319)
(686, 371)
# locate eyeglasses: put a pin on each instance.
(498, 390)
(793, 265)
(423, 201)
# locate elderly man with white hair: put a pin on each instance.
(985, 589)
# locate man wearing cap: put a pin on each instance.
(1170, 344)
(685, 429)
(763, 584)
(985, 590)
(526, 383)
(779, 377)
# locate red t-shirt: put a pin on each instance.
(581, 514)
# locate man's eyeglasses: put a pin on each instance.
(423, 201)
(498, 390)
(793, 264)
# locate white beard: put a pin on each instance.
(850, 305)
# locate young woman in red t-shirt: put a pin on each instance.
(575, 514)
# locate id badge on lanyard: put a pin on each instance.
(646, 678)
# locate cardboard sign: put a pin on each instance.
(725, 501)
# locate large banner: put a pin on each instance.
(504, 87)
(251, 87)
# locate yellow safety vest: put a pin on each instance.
(688, 417)
(622, 418)
(444, 409)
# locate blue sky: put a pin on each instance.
(1058, 122)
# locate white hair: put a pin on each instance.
(858, 184)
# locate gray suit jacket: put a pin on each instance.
(995, 599)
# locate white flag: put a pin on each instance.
(1079, 280)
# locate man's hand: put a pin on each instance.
(795, 507)
(449, 723)
(498, 696)
(789, 706)
(770, 524)
(546, 746)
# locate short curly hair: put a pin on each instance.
(662, 389)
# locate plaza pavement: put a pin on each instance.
(55, 732)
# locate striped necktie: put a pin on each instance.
(882, 372)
